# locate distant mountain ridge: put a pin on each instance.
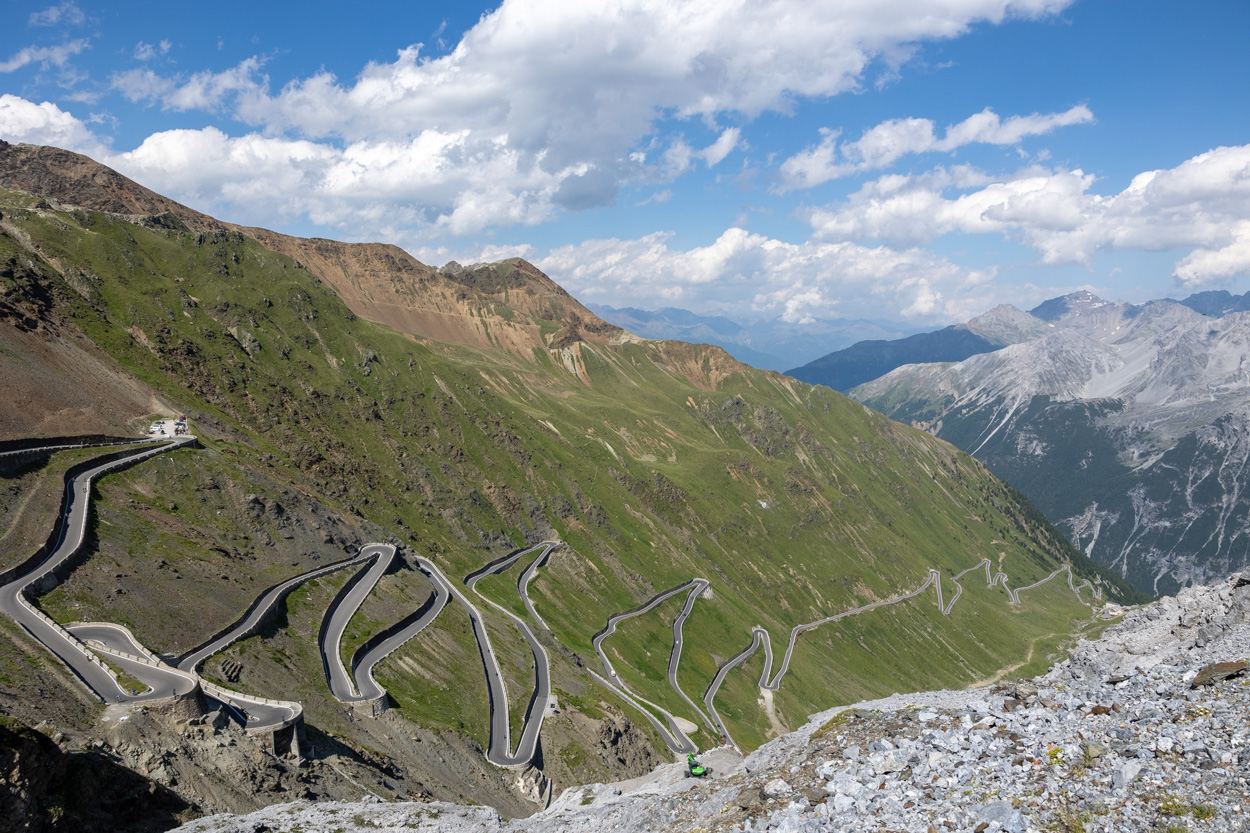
(1126, 424)
(769, 344)
(1004, 325)
(1217, 303)
(866, 360)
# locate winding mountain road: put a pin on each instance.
(73, 528)
(391, 639)
(93, 650)
(81, 646)
(66, 443)
(674, 737)
(342, 609)
(500, 751)
(674, 657)
(192, 660)
(759, 636)
(122, 649)
(523, 586)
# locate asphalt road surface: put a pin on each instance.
(343, 608)
(73, 531)
(363, 664)
(121, 649)
(191, 661)
(500, 751)
(674, 657)
(676, 739)
(75, 645)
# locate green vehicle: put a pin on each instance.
(696, 769)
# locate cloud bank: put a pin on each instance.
(797, 282)
(543, 107)
(1202, 204)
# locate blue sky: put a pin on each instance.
(917, 162)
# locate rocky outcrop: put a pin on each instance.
(31, 766)
(46, 787)
(624, 747)
(79, 181)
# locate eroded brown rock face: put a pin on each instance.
(505, 305)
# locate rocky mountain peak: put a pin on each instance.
(460, 304)
(1130, 407)
(1006, 324)
(1074, 303)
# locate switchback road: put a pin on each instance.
(192, 660)
(73, 528)
(115, 644)
(342, 609)
(676, 739)
(500, 752)
(759, 636)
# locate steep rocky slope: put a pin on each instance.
(44, 788)
(1143, 729)
(519, 418)
(81, 181)
(1126, 425)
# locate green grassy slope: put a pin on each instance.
(654, 462)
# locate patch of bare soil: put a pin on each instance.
(54, 384)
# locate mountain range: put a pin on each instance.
(1125, 424)
(769, 344)
(866, 360)
(347, 394)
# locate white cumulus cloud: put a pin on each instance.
(747, 274)
(1203, 266)
(562, 104)
(886, 143)
(1203, 204)
(45, 124)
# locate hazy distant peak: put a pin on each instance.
(1217, 302)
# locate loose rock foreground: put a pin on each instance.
(1132, 733)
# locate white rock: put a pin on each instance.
(777, 788)
(1122, 778)
(843, 804)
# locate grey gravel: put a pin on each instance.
(1112, 739)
